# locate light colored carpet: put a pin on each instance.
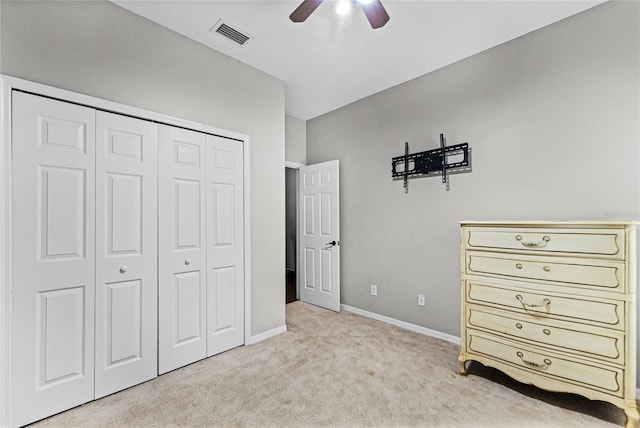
(338, 370)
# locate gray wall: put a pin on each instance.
(100, 49)
(553, 122)
(295, 139)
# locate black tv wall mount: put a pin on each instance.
(431, 162)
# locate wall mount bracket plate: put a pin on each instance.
(431, 162)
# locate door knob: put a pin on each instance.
(187, 262)
(331, 244)
(123, 269)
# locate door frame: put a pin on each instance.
(7, 85)
(296, 166)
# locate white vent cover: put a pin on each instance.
(232, 33)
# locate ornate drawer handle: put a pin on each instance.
(546, 331)
(545, 240)
(518, 265)
(546, 269)
(547, 362)
(545, 303)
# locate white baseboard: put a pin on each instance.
(402, 324)
(267, 334)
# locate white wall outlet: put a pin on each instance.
(374, 290)
(421, 300)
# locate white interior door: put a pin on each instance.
(53, 164)
(182, 248)
(126, 252)
(319, 234)
(225, 245)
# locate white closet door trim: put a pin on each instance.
(5, 253)
(247, 244)
(9, 83)
(89, 101)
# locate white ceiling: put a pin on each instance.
(330, 61)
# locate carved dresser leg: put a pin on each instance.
(632, 415)
(462, 360)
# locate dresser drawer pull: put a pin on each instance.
(547, 362)
(545, 240)
(518, 265)
(546, 269)
(545, 303)
(519, 326)
(546, 331)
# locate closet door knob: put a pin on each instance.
(123, 269)
(187, 262)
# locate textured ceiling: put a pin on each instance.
(330, 60)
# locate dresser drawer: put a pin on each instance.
(602, 274)
(599, 242)
(556, 366)
(541, 305)
(581, 339)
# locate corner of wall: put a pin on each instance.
(295, 141)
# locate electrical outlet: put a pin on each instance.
(374, 290)
(421, 300)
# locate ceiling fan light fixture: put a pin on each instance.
(373, 9)
(343, 7)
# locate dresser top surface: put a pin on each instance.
(548, 223)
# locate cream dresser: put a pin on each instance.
(553, 305)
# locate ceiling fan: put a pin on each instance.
(373, 9)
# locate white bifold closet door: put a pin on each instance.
(225, 245)
(201, 246)
(126, 252)
(84, 305)
(53, 260)
(182, 248)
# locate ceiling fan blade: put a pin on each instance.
(376, 13)
(305, 9)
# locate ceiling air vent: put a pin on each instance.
(232, 33)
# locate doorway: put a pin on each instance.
(291, 233)
(312, 233)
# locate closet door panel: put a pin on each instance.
(225, 245)
(126, 207)
(53, 259)
(182, 250)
